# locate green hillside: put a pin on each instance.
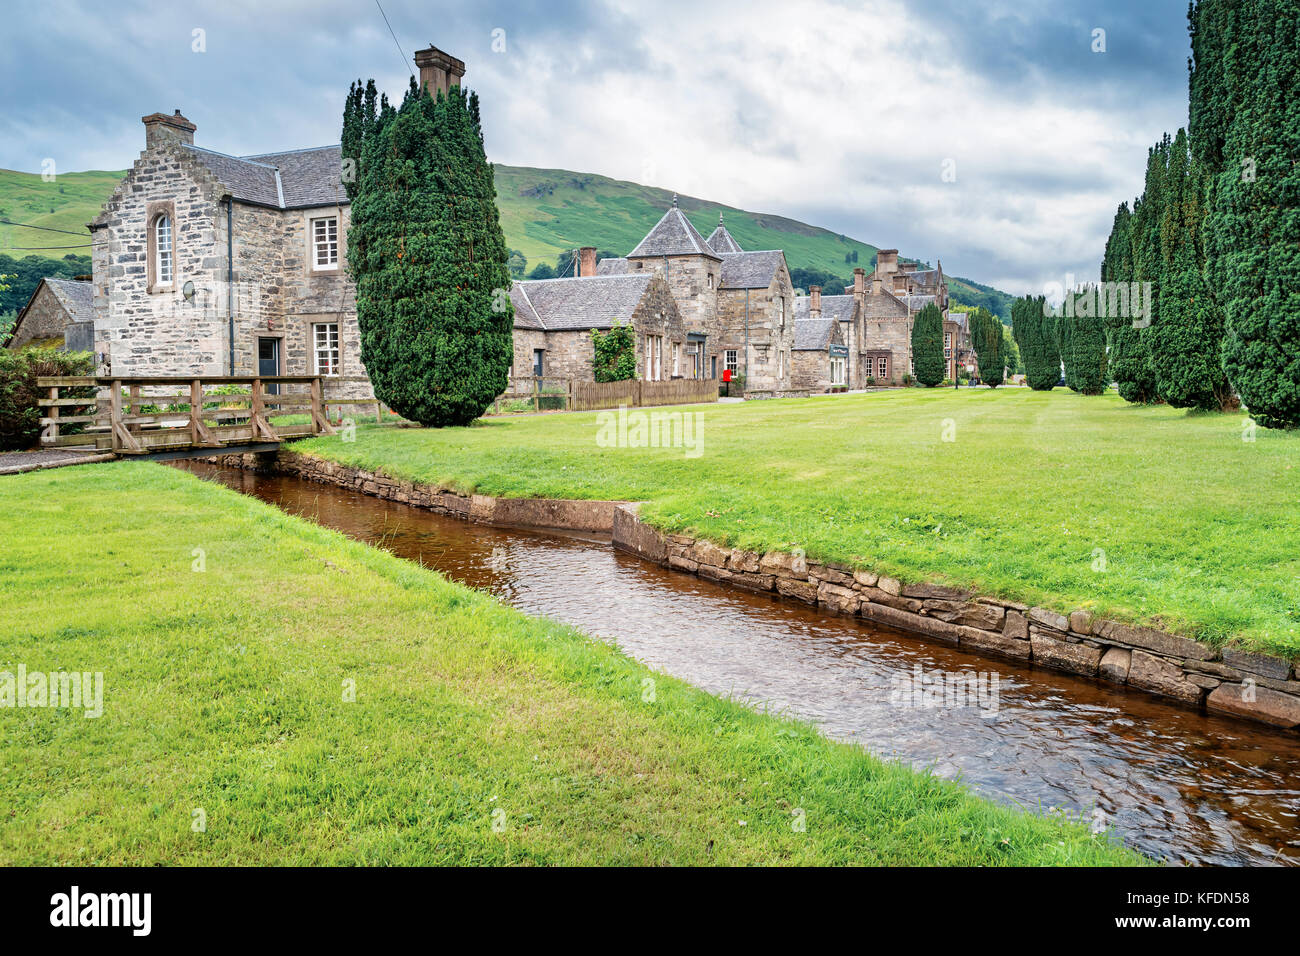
(543, 211)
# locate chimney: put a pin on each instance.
(587, 261)
(815, 305)
(886, 261)
(877, 285)
(438, 71)
(859, 281)
(159, 128)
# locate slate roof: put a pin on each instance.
(926, 280)
(611, 267)
(837, 307)
(915, 302)
(813, 335)
(298, 179)
(750, 270)
(721, 241)
(75, 296)
(673, 235)
(593, 302)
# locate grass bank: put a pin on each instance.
(224, 686)
(1148, 515)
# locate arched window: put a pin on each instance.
(162, 235)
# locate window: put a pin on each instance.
(837, 371)
(325, 243)
(538, 355)
(654, 358)
(782, 313)
(882, 363)
(947, 345)
(730, 358)
(710, 280)
(780, 364)
(325, 346)
(677, 359)
(162, 238)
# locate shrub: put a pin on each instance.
(20, 415)
(986, 331)
(614, 354)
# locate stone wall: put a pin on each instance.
(1253, 686)
(771, 337)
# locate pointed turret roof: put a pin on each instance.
(721, 241)
(673, 235)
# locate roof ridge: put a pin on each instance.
(532, 308)
(242, 159)
(286, 152)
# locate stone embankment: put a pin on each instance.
(1241, 683)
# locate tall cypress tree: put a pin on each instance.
(1081, 333)
(986, 336)
(1245, 131)
(428, 256)
(1035, 334)
(1128, 361)
(1186, 340)
(927, 345)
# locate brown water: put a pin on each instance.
(1173, 783)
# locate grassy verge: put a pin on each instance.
(1144, 514)
(224, 687)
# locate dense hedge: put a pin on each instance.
(613, 354)
(19, 414)
(927, 346)
(1081, 339)
(1130, 363)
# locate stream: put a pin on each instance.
(1182, 786)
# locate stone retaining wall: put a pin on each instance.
(1245, 684)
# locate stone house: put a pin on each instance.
(59, 314)
(737, 306)
(211, 264)
(554, 319)
(821, 353)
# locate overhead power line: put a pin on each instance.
(400, 52)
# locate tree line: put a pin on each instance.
(1210, 250)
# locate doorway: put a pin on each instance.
(268, 362)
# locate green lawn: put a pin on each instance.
(223, 692)
(1199, 530)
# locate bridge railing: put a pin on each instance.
(143, 415)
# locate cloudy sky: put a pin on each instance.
(986, 134)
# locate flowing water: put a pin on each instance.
(1176, 784)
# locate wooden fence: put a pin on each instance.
(586, 396)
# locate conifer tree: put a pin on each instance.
(927, 345)
(1035, 334)
(427, 253)
(986, 336)
(1245, 133)
(1128, 361)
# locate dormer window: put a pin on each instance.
(325, 243)
(162, 239)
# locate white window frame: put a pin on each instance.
(947, 345)
(324, 243)
(325, 341)
(882, 364)
(677, 359)
(164, 249)
(731, 360)
(837, 371)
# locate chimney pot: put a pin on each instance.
(587, 261)
(815, 303)
(859, 281)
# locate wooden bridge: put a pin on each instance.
(174, 417)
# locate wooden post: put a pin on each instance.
(54, 413)
(134, 407)
(316, 408)
(115, 414)
(196, 409)
(537, 394)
